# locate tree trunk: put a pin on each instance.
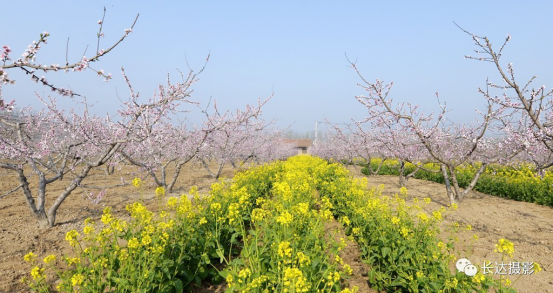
(402, 178)
(450, 194)
(206, 166)
(221, 165)
(473, 182)
(44, 221)
(178, 167)
(51, 215)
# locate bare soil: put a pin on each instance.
(528, 226)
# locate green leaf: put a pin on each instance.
(397, 282)
(178, 286)
(224, 274)
(220, 254)
(386, 251)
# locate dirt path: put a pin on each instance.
(529, 226)
(351, 255)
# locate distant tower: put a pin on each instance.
(316, 132)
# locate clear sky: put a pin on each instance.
(295, 49)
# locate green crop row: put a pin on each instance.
(520, 183)
(264, 231)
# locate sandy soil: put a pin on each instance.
(528, 226)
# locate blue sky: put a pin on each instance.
(295, 49)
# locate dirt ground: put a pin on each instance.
(528, 226)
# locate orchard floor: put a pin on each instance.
(528, 226)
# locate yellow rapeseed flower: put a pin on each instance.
(403, 190)
(478, 278)
(229, 279)
(137, 182)
(71, 237)
(294, 278)
(87, 230)
(49, 259)
(160, 191)
(146, 240)
(172, 202)
(354, 289)
(284, 249)
(215, 206)
(72, 260)
(347, 269)
(77, 279)
(303, 259)
(37, 273)
(244, 274)
(423, 217)
(285, 218)
(505, 246)
(303, 208)
(123, 254)
(437, 215)
(193, 191)
(257, 215)
(106, 217)
(29, 257)
(133, 243)
(346, 221)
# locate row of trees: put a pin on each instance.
(515, 124)
(52, 144)
(47, 145)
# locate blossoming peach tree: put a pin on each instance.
(52, 144)
(232, 141)
(176, 145)
(27, 63)
(446, 143)
(528, 117)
